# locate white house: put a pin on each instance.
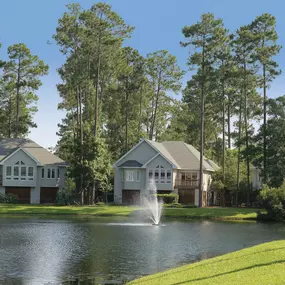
(173, 165)
(29, 171)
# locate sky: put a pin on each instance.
(158, 25)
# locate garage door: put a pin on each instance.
(23, 194)
(48, 195)
(186, 196)
(131, 197)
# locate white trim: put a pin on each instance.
(18, 149)
(159, 154)
(139, 143)
(19, 177)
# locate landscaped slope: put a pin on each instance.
(259, 265)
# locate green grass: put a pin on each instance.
(192, 213)
(259, 265)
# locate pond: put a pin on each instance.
(112, 251)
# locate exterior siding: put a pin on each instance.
(118, 185)
(143, 153)
(134, 185)
(2, 190)
(20, 156)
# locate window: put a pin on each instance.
(23, 172)
(130, 175)
(156, 174)
(43, 173)
(19, 171)
(16, 172)
(30, 173)
(53, 173)
(160, 174)
(138, 175)
(58, 173)
(168, 176)
(49, 173)
(8, 172)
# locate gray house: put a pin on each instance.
(29, 171)
(172, 165)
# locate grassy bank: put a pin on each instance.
(194, 213)
(259, 265)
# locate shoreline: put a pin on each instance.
(212, 214)
(257, 265)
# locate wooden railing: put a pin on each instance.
(183, 182)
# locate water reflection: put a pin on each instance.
(103, 251)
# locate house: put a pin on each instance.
(172, 165)
(29, 171)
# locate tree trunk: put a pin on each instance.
(126, 116)
(239, 138)
(202, 130)
(140, 115)
(264, 126)
(224, 130)
(96, 118)
(155, 108)
(246, 139)
(10, 116)
(229, 122)
(81, 145)
(18, 99)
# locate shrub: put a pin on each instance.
(8, 199)
(273, 202)
(100, 204)
(168, 198)
(64, 197)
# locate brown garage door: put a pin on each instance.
(48, 195)
(186, 196)
(131, 197)
(23, 194)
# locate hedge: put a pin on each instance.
(168, 198)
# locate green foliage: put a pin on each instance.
(273, 202)
(21, 75)
(8, 199)
(168, 198)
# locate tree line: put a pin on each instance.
(113, 96)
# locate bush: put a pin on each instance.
(8, 199)
(168, 198)
(189, 206)
(100, 204)
(273, 202)
(64, 197)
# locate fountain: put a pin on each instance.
(153, 206)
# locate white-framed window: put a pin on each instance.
(19, 171)
(43, 173)
(160, 175)
(132, 175)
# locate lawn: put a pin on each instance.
(259, 265)
(194, 213)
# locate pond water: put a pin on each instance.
(111, 251)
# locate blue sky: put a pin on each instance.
(157, 23)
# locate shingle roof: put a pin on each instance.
(9, 145)
(131, 163)
(183, 155)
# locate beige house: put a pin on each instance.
(29, 171)
(172, 165)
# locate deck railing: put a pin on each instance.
(183, 182)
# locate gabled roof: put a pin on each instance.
(130, 163)
(186, 156)
(180, 154)
(43, 156)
